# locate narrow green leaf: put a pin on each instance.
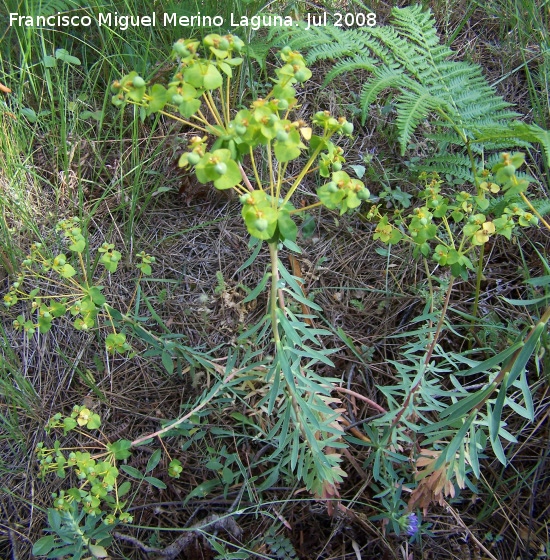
(313, 355)
(154, 460)
(252, 257)
(155, 482)
(527, 397)
(376, 465)
(202, 490)
(74, 549)
(474, 457)
(131, 471)
(29, 114)
(498, 450)
(124, 488)
(258, 289)
(247, 335)
(539, 280)
(291, 246)
(144, 335)
(285, 426)
(113, 313)
(297, 291)
(460, 408)
(459, 438)
(270, 481)
(155, 315)
(274, 393)
(167, 362)
(487, 365)
(525, 353)
(518, 409)
(526, 302)
(286, 368)
(290, 331)
(276, 429)
(43, 546)
(295, 448)
(496, 412)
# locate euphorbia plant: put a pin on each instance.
(81, 295)
(454, 231)
(227, 152)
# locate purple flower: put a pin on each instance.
(413, 525)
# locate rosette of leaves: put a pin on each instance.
(74, 533)
(262, 219)
(342, 192)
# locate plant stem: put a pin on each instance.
(246, 180)
(209, 100)
(202, 404)
(534, 210)
(479, 275)
(183, 121)
(228, 101)
(281, 173)
(428, 357)
(304, 171)
(271, 175)
(308, 207)
(370, 402)
(440, 322)
(255, 169)
(274, 256)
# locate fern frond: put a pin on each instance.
(416, 24)
(412, 109)
(516, 131)
(407, 58)
(341, 44)
(444, 138)
(359, 63)
(498, 204)
(387, 78)
(450, 166)
(320, 43)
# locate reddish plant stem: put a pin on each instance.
(429, 354)
(372, 404)
(158, 433)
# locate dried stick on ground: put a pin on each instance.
(211, 523)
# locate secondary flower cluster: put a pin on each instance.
(448, 228)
